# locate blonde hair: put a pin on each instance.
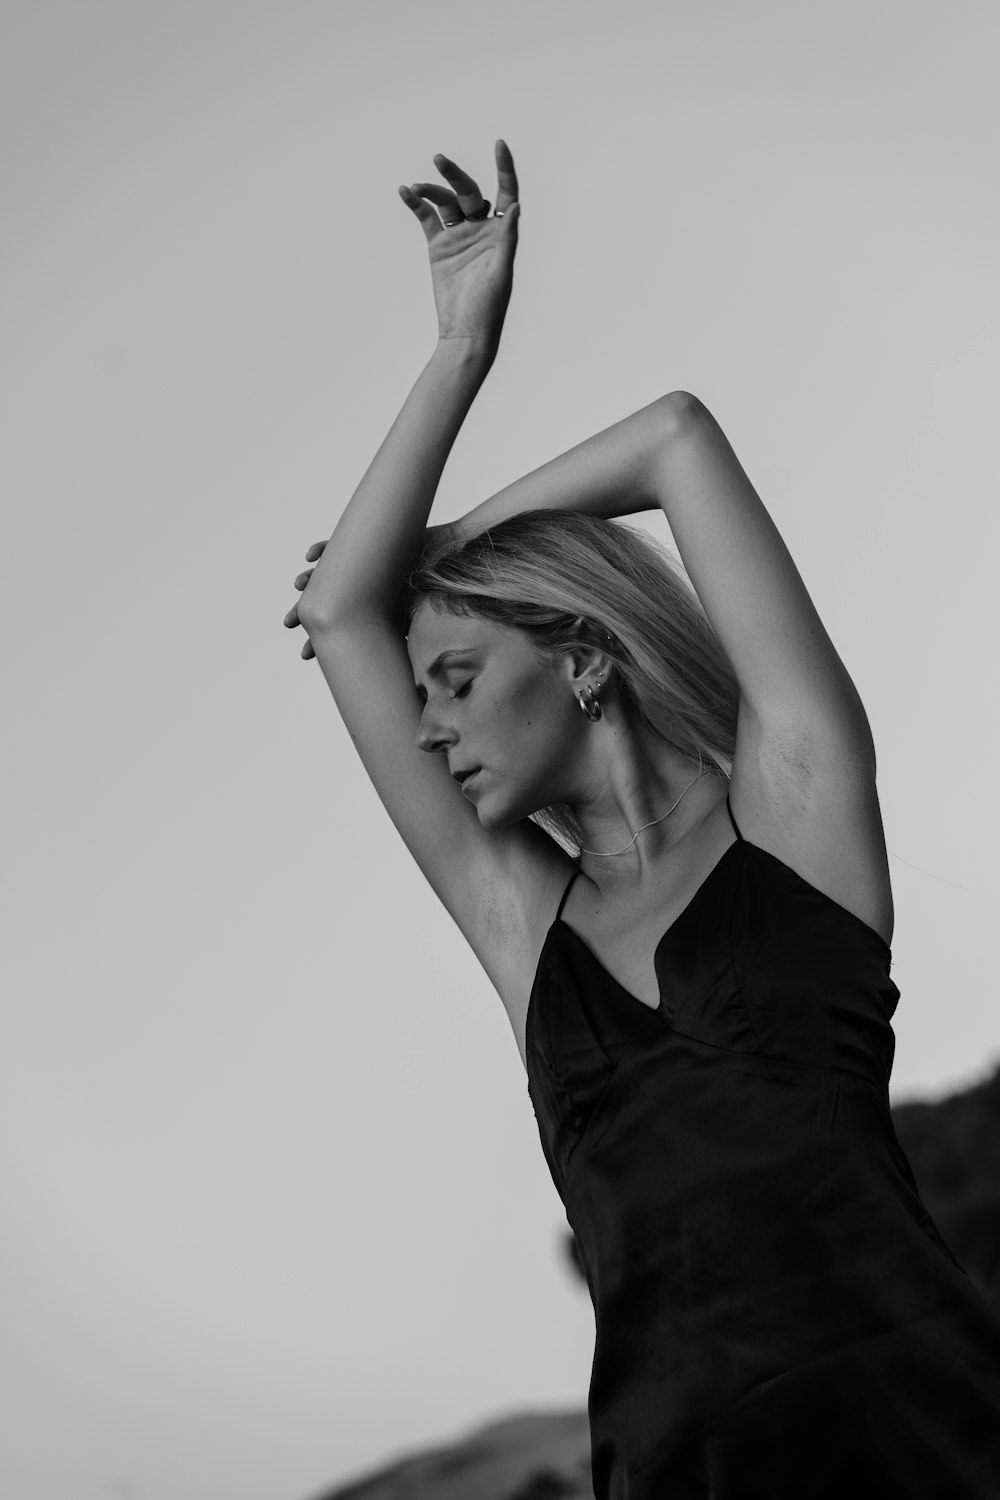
(563, 579)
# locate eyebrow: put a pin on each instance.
(434, 670)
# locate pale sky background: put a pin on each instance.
(275, 1208)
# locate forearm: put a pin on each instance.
(611, 474)
(382, 528)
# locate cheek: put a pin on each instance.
(535, 727)
(518, 719)
(534, 702)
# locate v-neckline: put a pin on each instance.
(652, 1009)
(738, 843)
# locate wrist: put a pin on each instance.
(466, 353)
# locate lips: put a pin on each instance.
(463, 776)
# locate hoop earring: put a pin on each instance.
(591, 707)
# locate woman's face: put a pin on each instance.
(489, 706)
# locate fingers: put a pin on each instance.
(463, 196)
(465, 188)
(291, 620)
(429, 221)
(292, 617)
(446, 201)
(506, 178)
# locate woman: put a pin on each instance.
(700, 990)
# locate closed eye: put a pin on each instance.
(461, 692)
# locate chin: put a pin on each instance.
(494, 821)
(501, 815)
(494, 816)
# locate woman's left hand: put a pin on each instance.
(445, 532)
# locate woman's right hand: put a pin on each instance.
(472, 263)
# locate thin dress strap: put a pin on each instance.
(566, 892)
(732, 820)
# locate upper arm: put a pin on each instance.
(787, 668)
(492, 882)
(804, 763)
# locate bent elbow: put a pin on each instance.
(681, 410)
(681, 405)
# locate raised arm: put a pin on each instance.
(804, 766)
(361, 571)
(791, 678)
(494, 883)
(672, 455)
(613, 473)
(803, 782)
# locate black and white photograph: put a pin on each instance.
(500, 998)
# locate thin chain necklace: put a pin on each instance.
(669, 810)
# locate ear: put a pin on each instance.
(584, 665)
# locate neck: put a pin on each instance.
(643, 797)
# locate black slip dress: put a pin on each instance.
(777, 1316)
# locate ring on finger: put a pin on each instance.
(483, 213)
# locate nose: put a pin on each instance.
(431, 734)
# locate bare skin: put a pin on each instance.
(497, 709)
(803, 768)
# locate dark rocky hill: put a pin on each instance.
(544, 1456)
(954, 1149)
